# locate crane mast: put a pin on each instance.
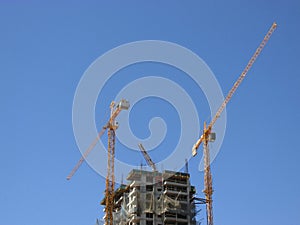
(110, 177)
(208, 190)
(208, 136)
(111, 126)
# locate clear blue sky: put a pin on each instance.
(45, 49)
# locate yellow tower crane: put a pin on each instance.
(111, 126)
(208, 135)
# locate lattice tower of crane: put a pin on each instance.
(209, 136)
(111, 126)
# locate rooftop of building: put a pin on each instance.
(137, 173)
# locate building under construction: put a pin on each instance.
(155, 198)
(160, 197)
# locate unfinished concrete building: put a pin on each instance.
(154, 198)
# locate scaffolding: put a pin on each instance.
(154, 198)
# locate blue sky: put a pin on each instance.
(45, 49)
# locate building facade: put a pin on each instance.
(155, 198)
